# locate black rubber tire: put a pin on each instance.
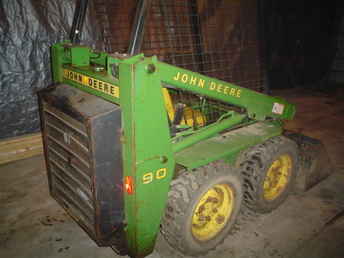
(184, 195)
(254, 167)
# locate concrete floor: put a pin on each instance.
(307, 225)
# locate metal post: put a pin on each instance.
(137, 34)
(78, 21)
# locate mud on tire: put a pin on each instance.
(185, 196)
(255, 165)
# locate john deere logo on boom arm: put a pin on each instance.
(210, 85)
(93, 83)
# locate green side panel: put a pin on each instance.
(226, 146)
(79, 67)
(93, 92)
(96, 83)
(147, 152)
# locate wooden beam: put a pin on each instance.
(22, 147)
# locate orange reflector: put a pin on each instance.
(129, 185)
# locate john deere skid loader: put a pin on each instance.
(127, 153)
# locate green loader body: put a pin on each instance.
(133, 148)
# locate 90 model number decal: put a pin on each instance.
(149, 177)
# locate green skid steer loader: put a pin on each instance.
(127, 157)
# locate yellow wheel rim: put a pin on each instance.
(277, 177)
(212, 212)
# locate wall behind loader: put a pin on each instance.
(27, 30)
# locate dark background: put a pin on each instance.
(262, 45)
(301, 41)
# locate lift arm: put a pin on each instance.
(257, 105)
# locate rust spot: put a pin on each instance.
(220, 219)
(201, 208)
(212, 199)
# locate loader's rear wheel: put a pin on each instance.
(269, 170)
(202, 208)
(277, 177)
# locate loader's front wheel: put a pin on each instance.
(202, 208)
(269, 170)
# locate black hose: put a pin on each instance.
(78, 21)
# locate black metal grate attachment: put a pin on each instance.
(68, 157)
(215, 38)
